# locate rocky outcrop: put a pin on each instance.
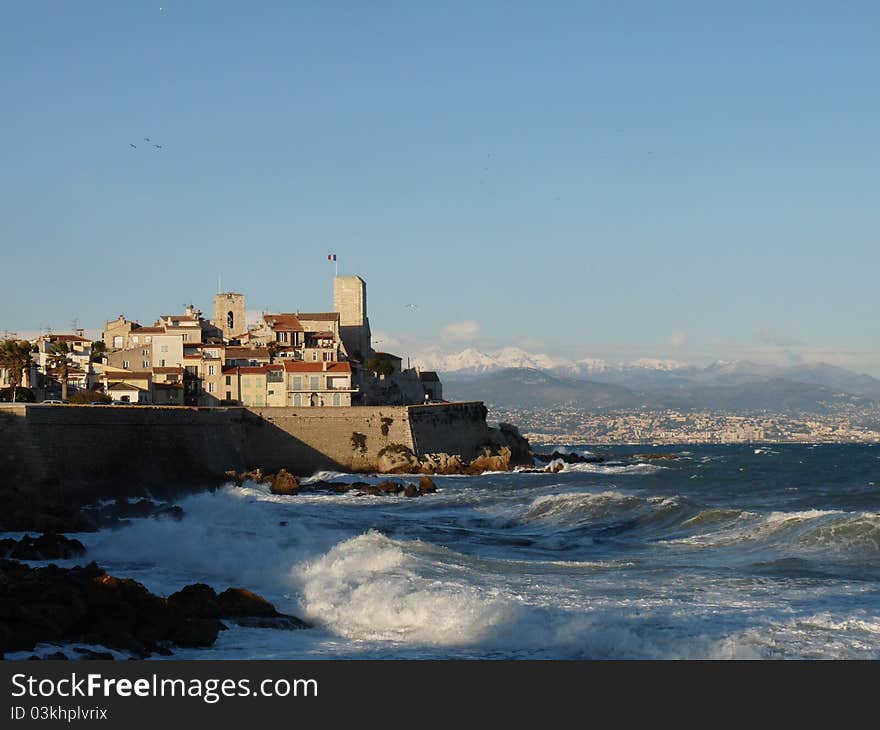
(48, 546)
(84, 604)
(427, 486)
(568, 458)
(284, 483)
(442, 464)
(397, 459)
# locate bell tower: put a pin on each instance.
(229, 314)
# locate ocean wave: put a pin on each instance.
(374, 588)
(630, 469)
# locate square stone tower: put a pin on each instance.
(229, 314)
(350, 300)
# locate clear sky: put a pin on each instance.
(609, 179)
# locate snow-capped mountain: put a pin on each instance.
(472, 361)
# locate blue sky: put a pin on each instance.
(679, 179)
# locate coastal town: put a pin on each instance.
(579, 426)
(297, 359)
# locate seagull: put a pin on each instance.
(157, 146)
(411, 306)
(132, 145)
(146, 139)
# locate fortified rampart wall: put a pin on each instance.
(109, 451)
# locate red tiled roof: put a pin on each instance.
(283, 322)
(319, 316)
(336, 368)
(236, 352)
(251, 369)
(67, 338)
(168, 371)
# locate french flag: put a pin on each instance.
(331, 257)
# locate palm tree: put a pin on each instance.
(15, 357)
(59, 362)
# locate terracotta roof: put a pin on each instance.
(123, 386)
(67, 338)
(326, 335)
(251, 369)
(336, 368)
(236, 352)
(168, 371)
(319, 316)
(129, 375)
(283, 322)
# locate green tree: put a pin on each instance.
(98, 349)
(380, 366)
(15, 358)
(59, 362)
(272, 347)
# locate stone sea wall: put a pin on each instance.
(85, 452)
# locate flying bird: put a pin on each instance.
(411, 306)
(132, 145)
(146, 139)
(157, 146)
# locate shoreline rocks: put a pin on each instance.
(86, 605)
(48, 546)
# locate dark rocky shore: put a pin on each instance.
(85, 605)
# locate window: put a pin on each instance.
(185, 337)
(212, 369)
(314, 382)
(146, 363)
(337, 399)
(228, 394)
(145, 352)
(117, 341)
(211, 387)
(161, 363)
(134, 339)
(164, 348)
(297, 400)
(228, 382)
(271, 392)
(314, 356)
(230, 320)
(297, 382)
(125, 364)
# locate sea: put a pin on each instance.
(717, 552)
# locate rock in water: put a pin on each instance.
(284, 483)
(242, 602)
(427, 486)
(45, 547)
(411, 491)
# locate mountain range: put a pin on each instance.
(514, 378)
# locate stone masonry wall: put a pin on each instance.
(109, 451)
